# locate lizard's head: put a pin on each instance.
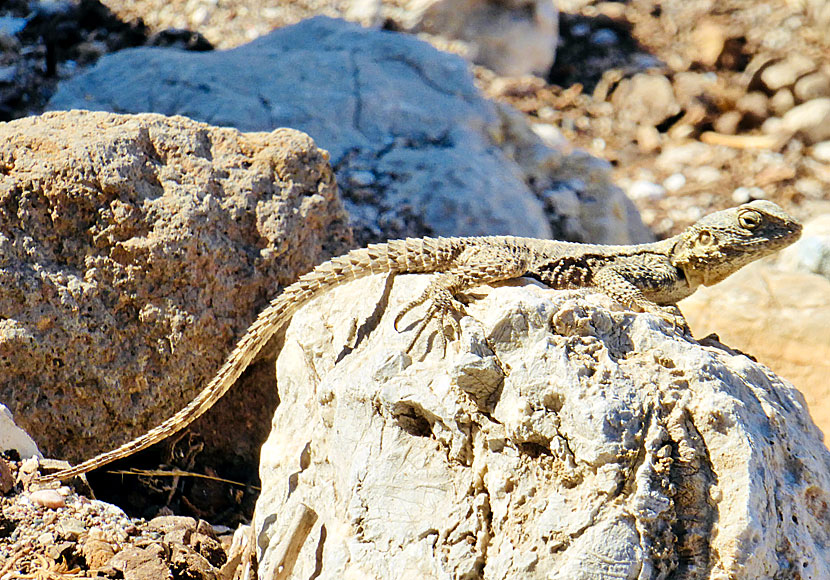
(725, 241)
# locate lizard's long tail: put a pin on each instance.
(398, 256)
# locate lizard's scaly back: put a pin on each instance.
(398, 256)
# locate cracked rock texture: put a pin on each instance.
(417, 150)
(134, 251)
(558, 439)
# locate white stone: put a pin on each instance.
(744, 194)
(674, 182)
(13, 437)
(704, 174)
(821, 152)
(642, 189)
(558, 438)
(451, 162)
(550, 135)
(784, 73)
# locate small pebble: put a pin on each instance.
(674, 182)
(29, 465)
(642, 189)
(552, 136)
(48, 498)
(821, 152)
(580, 29)
(604, 37)
(46, 539)
(704, 174)
(809, 187)
(745, 194)
(361, 178)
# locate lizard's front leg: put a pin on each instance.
(617, 285)
(477, 267)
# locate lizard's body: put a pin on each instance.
(644, 276)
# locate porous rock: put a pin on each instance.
(416, 148)
(558, 438)
(134, 250)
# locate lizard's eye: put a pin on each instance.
(749, 220)
(705, 238)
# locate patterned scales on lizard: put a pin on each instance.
(648, 277)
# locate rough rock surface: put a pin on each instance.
(557, 439)
(778, 310)
(416, 148)
(134, 250)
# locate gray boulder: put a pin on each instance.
(416, 148)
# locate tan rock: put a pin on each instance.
(812, 86)
(780, 317)
(728, 122)
(755, 108)
(708, 39)
(784, 73)
(810, 120)
(782, 101)
(134, 250)
(645, 99)
(511, 37)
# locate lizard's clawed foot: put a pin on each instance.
(443, 306)
(673, 316)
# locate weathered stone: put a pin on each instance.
(142, 563)
(708, 41)
(134, 250)
(443, 159)
(713, 44)
(810, 120)
(594, 442)
(97, 553)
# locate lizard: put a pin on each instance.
(650, 277)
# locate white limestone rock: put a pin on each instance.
(13, 437)
(558, 438)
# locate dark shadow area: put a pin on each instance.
(42, 43)
(216, 486)
(589, 46)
